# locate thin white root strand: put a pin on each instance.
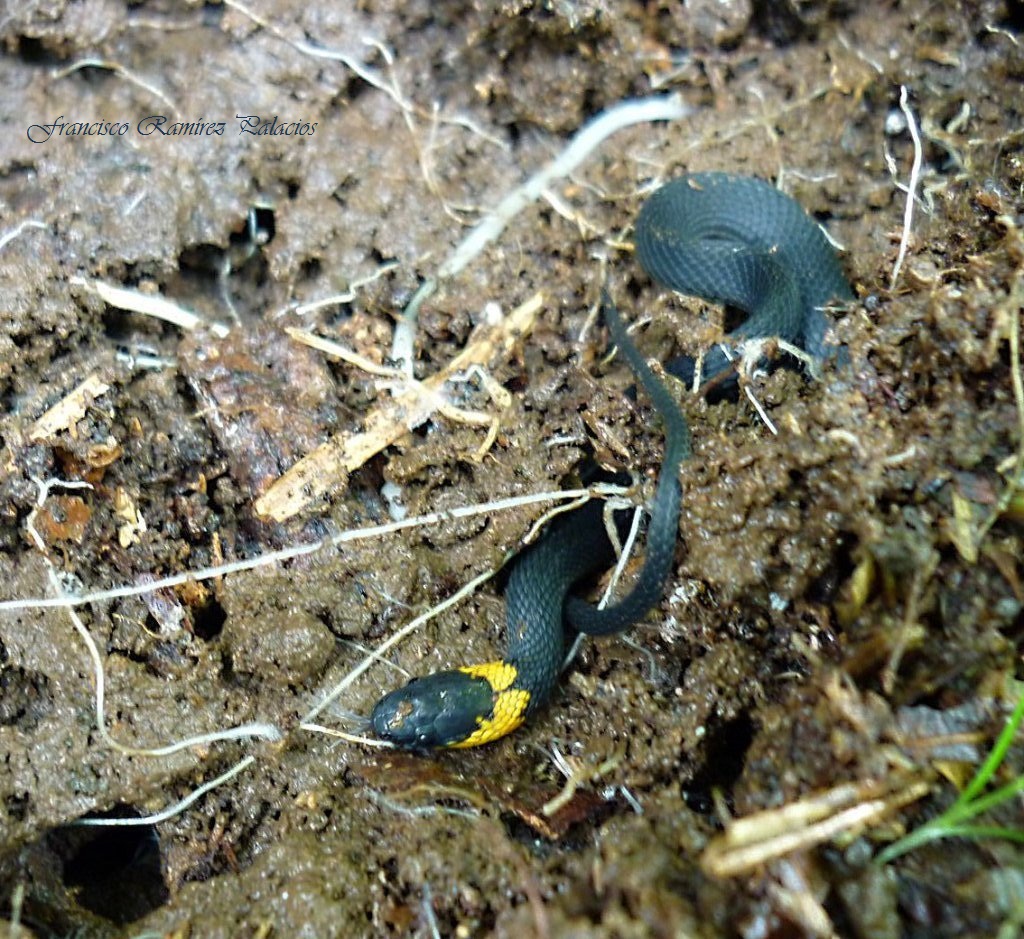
(244, 731)
(9, 236)
(287, 554)
(915, 175)
(347, 737)
(172, 810)
(584, 142)
(393, 640)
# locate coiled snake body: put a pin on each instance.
(729, 239)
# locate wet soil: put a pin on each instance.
(842, 610)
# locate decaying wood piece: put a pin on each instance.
(328, 465)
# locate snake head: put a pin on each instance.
(439, 710)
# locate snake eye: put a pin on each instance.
(438, 710)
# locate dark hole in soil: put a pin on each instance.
(31, 51)
(777, 21)
(310, 269)
(259, 229)
(725, 748)
(202, 261)
(1014, 15)
(24, 697)
(115, 872)
(825, 588)
(209, 621)
(16, 806)
(212, 13)
(125, 328)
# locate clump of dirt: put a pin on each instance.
(847, 600)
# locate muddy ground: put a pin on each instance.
(846, 605)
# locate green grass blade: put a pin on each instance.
(908, 843)
(987, 831)
(986, 802)
(950, 824)
(996, 755)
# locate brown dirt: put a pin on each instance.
(767, 675)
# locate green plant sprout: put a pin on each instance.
(955, 822)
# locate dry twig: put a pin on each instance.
(329, 464)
